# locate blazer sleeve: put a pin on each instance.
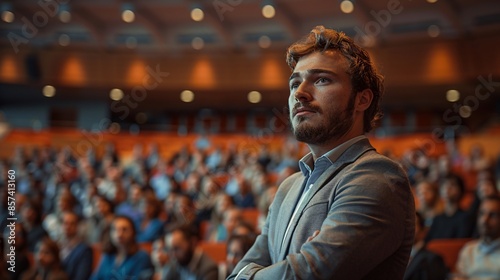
(258, 255)
(366, 224)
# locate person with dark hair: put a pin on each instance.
(151, 226)
(349, 213)
(429, 201)
(124, 259)
(97, 228)
(184, 259)
(480, 258)
(48, 264)
(453, 222)
(424, 264)
(237, 247)
(76, 255)
(31, 213)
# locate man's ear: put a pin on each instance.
(363, 100)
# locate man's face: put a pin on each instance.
(489, 219)
(70, 225)
(122, 232)
(450, 191)
(179, 248)
(321, 107)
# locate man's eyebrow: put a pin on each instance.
(312, 72)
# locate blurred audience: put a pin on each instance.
(76, 255)
(47, 262)
(31, 213)
(237, 247)
(123, 259)
(184, 259)
(151, 226)
(429, 202)
(205, 188)
(424, 264)
(480, 259)
(453, 222)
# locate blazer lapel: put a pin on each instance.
(348, 157)
(286, 211)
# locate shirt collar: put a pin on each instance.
(487, 248)
(306, 163)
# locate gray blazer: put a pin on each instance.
(364, 209)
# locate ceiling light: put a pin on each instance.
(432, 1)
(64, 40)
(268, 11)
(452, 95)
(49, 91)
(465, 111)
(254, 97)
(197, 43)
(264, 42)
(433, 31)
(64, 14)
(7, 14)
(187, 96)
(346, 6)
(116, 94)
(128, 13)
(197, 14)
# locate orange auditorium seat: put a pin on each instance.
(448, 249)
(251, 216)
(215, 250)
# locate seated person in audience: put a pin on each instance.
(184, 214)
(159, 256)
(244, 197)
(424, 264)
(76, 256)
(480, 259)
(243, 228)
(151, 226)
(132, 207)
(476, 160)
(47, 262)
(52, 222)
(98, 225)
(123, 259)
(237, 247)
(22, 261)
(185, 260)
(231, 218)
(31, 214)
(429, 201)
(161, 181)
(485, 187)
(207, 198)
(453, 222)
(224, 202)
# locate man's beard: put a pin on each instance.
(187, 258)
(336, 125)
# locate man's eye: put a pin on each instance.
(322, 80)
(294, 85)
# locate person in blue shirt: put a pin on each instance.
(123, 259)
